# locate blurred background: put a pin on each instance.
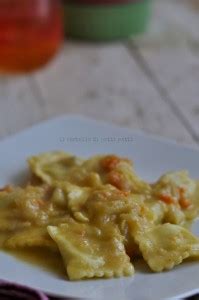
(131, 62)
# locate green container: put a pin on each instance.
(106, 22)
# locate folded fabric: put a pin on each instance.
(13, 291)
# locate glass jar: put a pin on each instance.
(30, 33)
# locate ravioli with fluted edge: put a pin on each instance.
(98, 215)
(90, 251)
(167, 245)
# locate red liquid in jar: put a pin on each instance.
(30, 33)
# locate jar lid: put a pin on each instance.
(106, 22)
(102, 2)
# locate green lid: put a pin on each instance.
(106, 22)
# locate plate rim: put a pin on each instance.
(82, 118)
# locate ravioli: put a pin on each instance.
(7, 198)
(90, 252)
(100, 215)
(30, 237)
(167, 245)
(139, 219)
(31, 201)
(10, 215)
(120, 173)
(107, 203)
(53, 166)
(74, 196)
(11, 220)
(176, 188)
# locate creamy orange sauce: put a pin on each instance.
(47, 260)
(50, 261)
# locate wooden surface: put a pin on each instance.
(150, 83)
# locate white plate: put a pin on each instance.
(84, 137)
